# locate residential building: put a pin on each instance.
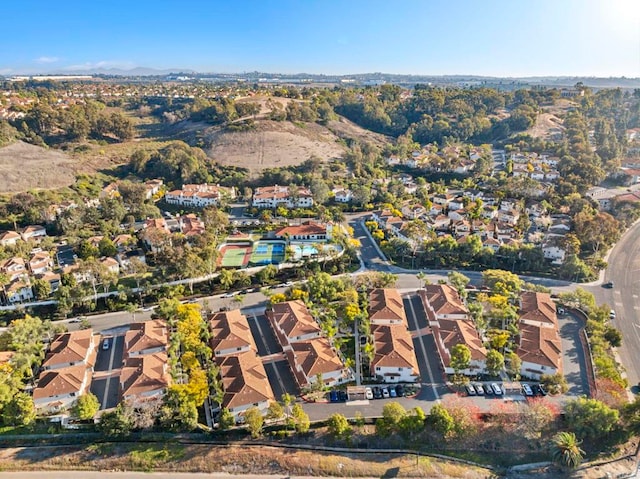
(230, 333)
(538, 309)
(449, 332)
(40, 263)
(316, 358)
(191, 225)
(539, 349)
(292, 322)
(144, 378)
(71, 349)
(9, 238)
(34, 232)
(245, 382)
(274, 196)
(58, 389)
(14, 268)
(199, 196)
(306, 231)
(153, 187)
(442, 301)
(386, 307)
(148, 337)
(395, 359)
(342, 195)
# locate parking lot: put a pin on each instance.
(431, 376)
(106, 375)
(263, 335)
(281, 379)
(278, 371)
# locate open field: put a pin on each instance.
(549, 124)
(272, 144)
(24, 167)
(231, 459)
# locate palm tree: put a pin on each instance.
(566, 450)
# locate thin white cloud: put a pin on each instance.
(101, 64)
(47, 60)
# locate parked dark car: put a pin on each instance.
(377, 393)
(333, 396)
(400, 390)
(538, 390)
(342, 395)
(608, 284)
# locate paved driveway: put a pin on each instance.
(574, 363)
(106, 376)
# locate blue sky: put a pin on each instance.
(490, 37)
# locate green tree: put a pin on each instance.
(514, 365)
(412, 423)
(106, 247)
(459, 281)
(116, 423)
(227, 421)
(266, 274)
(300, 418)
(502, 282)
(392, 415)
(254, 421)
(460, 358)
(440, 420)
(19, 411)
(590, 418)
(86, 407)
(494, 362)
(565, 450)
(339, 427)
(179, 411)
(275, 412)
(554, 383)
(226, 278)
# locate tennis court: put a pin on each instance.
(234, 256)
(267, 253)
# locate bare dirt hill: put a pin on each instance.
(24, 166)
(272, 144)
(549, 123)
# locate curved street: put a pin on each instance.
(624, 298)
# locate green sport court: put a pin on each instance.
(234, 256)
(267, 253)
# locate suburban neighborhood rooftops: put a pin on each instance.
(144, 374)
(146, 335)
(537, 307)
(386, 305)
(244, 380)
(540, 345)
(230, 331)
(444, 299)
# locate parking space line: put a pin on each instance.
(280, 382)
(424, 352)
(264, 341)
(108, 382)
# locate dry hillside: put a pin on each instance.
(272, 144)
(548, 124)
(24, 166)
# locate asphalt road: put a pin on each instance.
(624, 297)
